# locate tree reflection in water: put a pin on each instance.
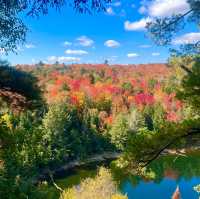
(171, 166)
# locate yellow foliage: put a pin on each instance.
(102, 186)
(119, 196)
(6, 119)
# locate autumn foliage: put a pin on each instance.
(109, 89)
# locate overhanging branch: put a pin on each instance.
(157, 154)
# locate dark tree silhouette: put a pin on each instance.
(16, 85)
(162, 30)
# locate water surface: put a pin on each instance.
(166, 174)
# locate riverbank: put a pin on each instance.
(79, 163)
(100, 158)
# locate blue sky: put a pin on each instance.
(117, 35)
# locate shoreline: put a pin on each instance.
(100, 158)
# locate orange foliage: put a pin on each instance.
(121, 86)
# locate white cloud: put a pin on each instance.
(52, 59)
(112, 43)
(19, 49)
(63, 59)
(67, 43)
(131, 55)
(137, 25)
(117, 4)
(33, 60)
(155, 54)
(189, 38)
(76, 52)
(112, 58)
(165, 8)
(110, 11)
(157, 8)
(145, 46)
(85, 41)
(30, 46)
(142, 10)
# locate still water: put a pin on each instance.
(166, 174)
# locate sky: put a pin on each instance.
(117, 35)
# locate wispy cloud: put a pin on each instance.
(117, 4)
(165, 8)
(85, 41)
(189, 38)
(137, 25)
(155, 54)
(76, 52)
(110, 11)
(33, 60)
(112, 43)
(63, 59)
(67, 43)
(142, 10)
(156, 8)
(132, 55)
(30, 46)
(145, 46)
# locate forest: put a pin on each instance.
(60, 113)
(137, 124)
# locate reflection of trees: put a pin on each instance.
(182, 166)
(171, 166)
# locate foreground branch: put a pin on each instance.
(157, 154)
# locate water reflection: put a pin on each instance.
(161, 180)
(165, 174)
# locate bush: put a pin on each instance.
(102, 186)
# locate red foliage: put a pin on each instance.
(144, 99)
(102, 83)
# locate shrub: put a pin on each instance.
(102, 186)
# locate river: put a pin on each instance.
(166, 174)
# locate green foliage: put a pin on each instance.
(119, 131)
(145, 146)
(127, 86)
(30, 143)
(70, 135)
(126, 126)
(191, 86)
(22, 153)
(142, 137)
